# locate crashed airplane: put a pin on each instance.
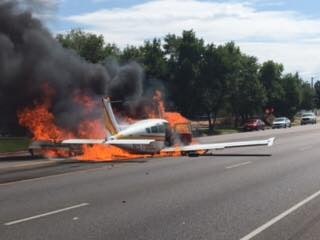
(153, 136)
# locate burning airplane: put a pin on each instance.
(109, 140)
(154, 136)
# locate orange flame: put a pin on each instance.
(172, 117)
(41, 123)
(106, 153)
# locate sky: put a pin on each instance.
(286, 31)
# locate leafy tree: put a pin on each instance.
(231, 57)
(185, 55)
(87, 45)
(211, 85)
(204, 79)
(131, 53)
(153, 59)
(270, 76)
(251, 95)
(307, 96)
(290, 103)
(111, 51)
(317, 94)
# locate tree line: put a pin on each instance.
(204, 79)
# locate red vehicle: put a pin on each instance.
(254, 124)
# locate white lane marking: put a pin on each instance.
(46, 214)
(279, 217)
(238, 165)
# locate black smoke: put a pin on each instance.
(30, 58)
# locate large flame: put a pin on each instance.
(174, 118)
(41, 123)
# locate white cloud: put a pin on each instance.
(285, 36)
(297, 57)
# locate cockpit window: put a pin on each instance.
(148, 130)
(154, 129)
(161, 129)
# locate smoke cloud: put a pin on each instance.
(30, 58)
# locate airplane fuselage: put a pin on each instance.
(156, 129)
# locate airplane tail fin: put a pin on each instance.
(110, 120)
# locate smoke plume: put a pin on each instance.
(30, 58)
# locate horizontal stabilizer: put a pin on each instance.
(84, 141)
(130, 141)
(212, 146)
(110, 142)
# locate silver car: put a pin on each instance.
(308, 118)
(281, 122)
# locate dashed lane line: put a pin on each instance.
(46, 214)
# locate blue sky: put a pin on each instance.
(68, 7)
(286, 31)
(75, 7)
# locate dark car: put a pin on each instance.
(254, 124)
(308, 118)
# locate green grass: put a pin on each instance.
(220, 131)
(217, 131)
(13, 144)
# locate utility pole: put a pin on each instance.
(311, 82)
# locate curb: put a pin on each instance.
(28, 166)
(13, 154)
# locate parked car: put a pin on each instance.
(254, 124)
(308, 118)
(281, 122)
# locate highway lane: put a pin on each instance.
(215, 197)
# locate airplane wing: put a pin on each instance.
(212, 146)
(109, 142)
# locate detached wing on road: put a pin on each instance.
(212, 146)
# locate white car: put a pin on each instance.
(281, 122)
(308, 118)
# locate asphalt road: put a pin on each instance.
(234, 194)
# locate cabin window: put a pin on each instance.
(161, 129)
(154, 129)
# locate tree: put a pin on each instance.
(270, 76)
(307, 96)
(153, 58)
(203, 79)
(185, 55)
(131, 53)
(231, 56)
(212, 83)
(251, 95)
(87, 45)
(317, 94)
(111, 51)
(290, 103)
